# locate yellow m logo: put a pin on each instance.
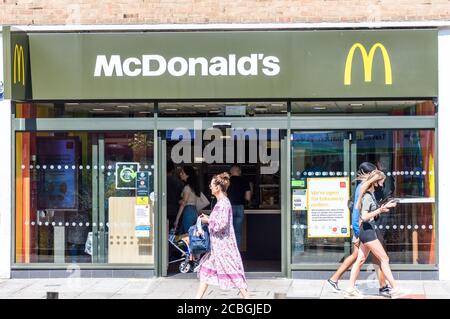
(19, 65)
(367, 62)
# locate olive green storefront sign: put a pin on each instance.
(234, 65)
(20, 75)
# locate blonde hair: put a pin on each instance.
(370, 180)
(222, 180)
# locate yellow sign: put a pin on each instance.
(367, 63)
(19, 65)
(142, 200)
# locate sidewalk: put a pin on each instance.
(176, 288)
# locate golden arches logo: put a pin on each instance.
(19, 65)
(367, 63)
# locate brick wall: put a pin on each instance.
(40, 12)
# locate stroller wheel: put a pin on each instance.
(185, 267)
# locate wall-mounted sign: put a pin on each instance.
(328, 213)
(142, 188)
(126, 173)
(299, 199)
(232, 64)
(142, 221)
(301, 183)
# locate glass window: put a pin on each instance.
(406, 157)
(76, 198)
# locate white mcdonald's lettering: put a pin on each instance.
(157, 65)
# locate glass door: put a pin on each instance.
(320, 187)
(215, 148)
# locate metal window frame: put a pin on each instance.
(289, 122)
(373, 123)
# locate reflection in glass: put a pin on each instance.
(406, 157)
(68, 208)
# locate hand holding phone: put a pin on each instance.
(391, 203)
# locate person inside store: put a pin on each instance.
(239, 194)
(364, 170)
(174, 189)
(369, 242)
(190, 194)
(222, 265)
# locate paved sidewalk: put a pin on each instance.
(185, 288)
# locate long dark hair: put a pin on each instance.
(373, 178)
(192, 179)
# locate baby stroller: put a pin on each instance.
(181, 245)
(192, 246)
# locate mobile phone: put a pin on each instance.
(385, 200)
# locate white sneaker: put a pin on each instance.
(398, 293)
(353, 293)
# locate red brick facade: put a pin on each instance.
(41, 12)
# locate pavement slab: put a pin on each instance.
(186, 288)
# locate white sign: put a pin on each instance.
(299, 199)
(328, 213)
(142, 221)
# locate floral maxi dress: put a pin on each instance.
(222, 265)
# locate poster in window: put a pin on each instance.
(328, 213)
(58, 172)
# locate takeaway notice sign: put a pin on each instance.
(328, 214)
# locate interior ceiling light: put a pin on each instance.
(320, 107)
(199, 105)
(171, 109)
(277, 104)
(98, 109)
(356, 104)
(123, 106)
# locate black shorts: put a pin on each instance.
(368, 232)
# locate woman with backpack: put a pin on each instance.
(222, 265)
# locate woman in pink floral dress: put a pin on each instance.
(222, 265)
